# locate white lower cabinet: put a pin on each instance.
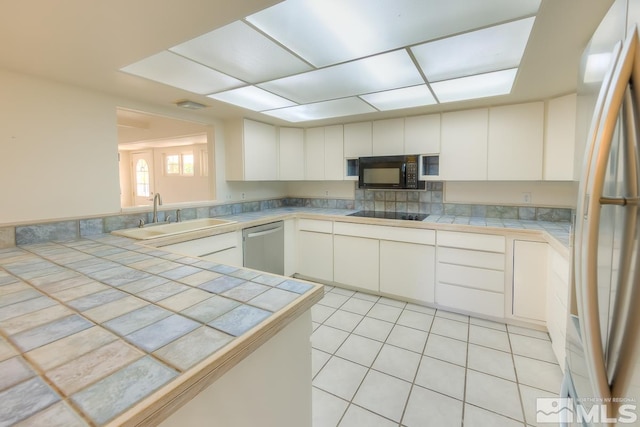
(529, 280)
(470, 272)
(559, 277)
(315, 249)
(407, 270)
(223, 248)
(356, 262)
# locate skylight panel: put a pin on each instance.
(377, 73)
(473, 87)
(241, 51)
(327, 32)
(322, 110)
(252, 98)
(407, 97)
(490, 49)
(174, 70)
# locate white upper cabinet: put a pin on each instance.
(357, 140)
(251, 151)
(422, 134)
(388, 137)
(560, 140)
(333, 152)
(515, 142)
(324, 153)
(314, 154)
(463, 153)
(291, 152)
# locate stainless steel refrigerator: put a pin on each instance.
(602, 375)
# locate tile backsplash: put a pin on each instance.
(429, 201)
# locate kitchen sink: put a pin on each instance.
(151, 231)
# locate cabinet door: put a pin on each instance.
(515, 142)
(407, 270)
(260, 152)
(357, 140)
(560, 139)
(356, 262)
(463, 152)
(388, 137)
(529, 279)
(422, 134)
(314, 154)
(333, 153)
(291, 151)
(315, 255)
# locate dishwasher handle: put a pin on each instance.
(263, 233)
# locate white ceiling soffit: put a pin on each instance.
(300, 58)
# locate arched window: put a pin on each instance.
(142, 178)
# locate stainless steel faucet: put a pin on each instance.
(157, 200)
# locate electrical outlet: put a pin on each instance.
(242, 195)
(526, 198)
(326, 192)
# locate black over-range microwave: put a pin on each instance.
(390, 172)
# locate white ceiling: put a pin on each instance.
(87, 43)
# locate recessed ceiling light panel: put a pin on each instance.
(239, 50)
(252, 98)
(322, 110)
(377, 73)
(174, 70)
(473, 87)
(327, 32)
(490, 49)
(407, 97)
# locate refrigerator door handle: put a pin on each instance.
(587, 252)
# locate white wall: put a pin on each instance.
(58, 149)
(549, 194)
(322, 189)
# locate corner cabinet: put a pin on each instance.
(515, 142)
(251, 151)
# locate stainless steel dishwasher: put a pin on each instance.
(263, 247)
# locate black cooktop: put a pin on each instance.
(390, 215)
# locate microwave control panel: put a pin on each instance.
(412, 175)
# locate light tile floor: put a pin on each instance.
(383, 362)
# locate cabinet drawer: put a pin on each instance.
(382, 232)
(480, 242)
(471, 277)
(207, 245)
(490, 260)
(315, 225)
(472, 300)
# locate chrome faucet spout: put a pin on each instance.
(157, 200)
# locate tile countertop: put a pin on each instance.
(559, 234)
(93, 330)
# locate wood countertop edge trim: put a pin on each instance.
(165, 401)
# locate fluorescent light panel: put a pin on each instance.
(174, 70)
(327, 32)
(239, 50)
(322, 110)
(407, 97)
(252, 98)
(472, 87)
(490, 49)
(374, 74)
